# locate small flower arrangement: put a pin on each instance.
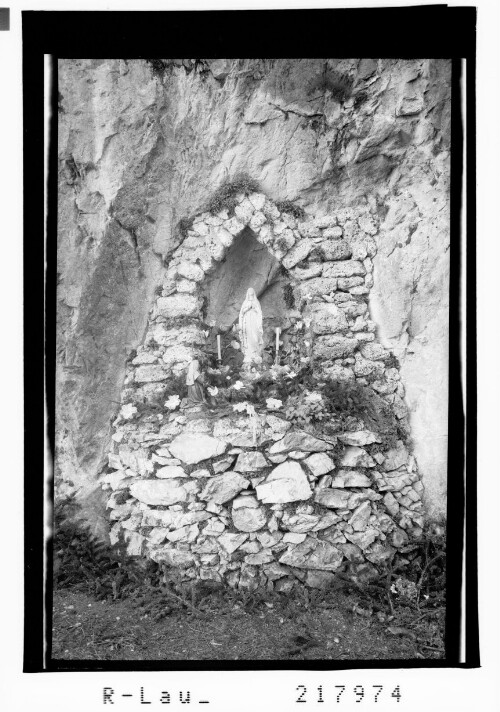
(405, 589)
(313, 397)
(172, 402)
(128, 411)
(244, 407)
(305, 408)
(281, 371)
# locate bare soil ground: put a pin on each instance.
(333, 629)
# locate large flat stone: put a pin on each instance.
(277, 425)
(374, 351)
(346, 283)
(326, 318)
(174, 557)
(250, 461)
(334, 346)
(378, 553)
(340, 498)
(395, 483)
(188, 334)
(159, 492)
(313, 554)
(224, 487)
(334, 498)
(300, 523)
(248, 519)
(391, 504)
(299, 440)
(350, 478)
(230, 542)
(251, 547)
(222, 465)
(363, 539)
(308, 229)
(298, 253)
(319, 463)
(269, 540)
(314, 270)
(185, 518)
(262, 557)
(248, 501)
(336, 250)
(234, 226)
(169, 472)
(359, 438)
(177, 354)
(244, 211)
(238, 432)
(193, 448)
(326, 521)
(347, 268)
(157, 535)
(144, 358)
(286, 483)
(162, 518)
(178, 305)
(224, 428)
(396, 457)
(191, 271)
(356, 457)
(360, 517)
(187, 533)
(274, 571)
(257, 200)
(317, 286)
(150, 374)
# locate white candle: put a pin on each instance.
(218, 347)
(277, 342)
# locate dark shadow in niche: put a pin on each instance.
(248, 263)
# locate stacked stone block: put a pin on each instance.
(259, 502)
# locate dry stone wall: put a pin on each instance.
(247, 496)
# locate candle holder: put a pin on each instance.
(276, 359)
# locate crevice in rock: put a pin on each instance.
(294, 111)
(131, 239)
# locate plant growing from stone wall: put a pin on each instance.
(224, 197)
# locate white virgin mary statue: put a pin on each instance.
(250, 328)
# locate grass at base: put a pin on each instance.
(87, 629)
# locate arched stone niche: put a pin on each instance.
(247, 263)
(249, 497)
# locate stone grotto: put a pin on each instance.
(269, 479)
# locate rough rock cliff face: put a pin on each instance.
(140, 150)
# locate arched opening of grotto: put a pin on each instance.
(263, 438)
(248, 263)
